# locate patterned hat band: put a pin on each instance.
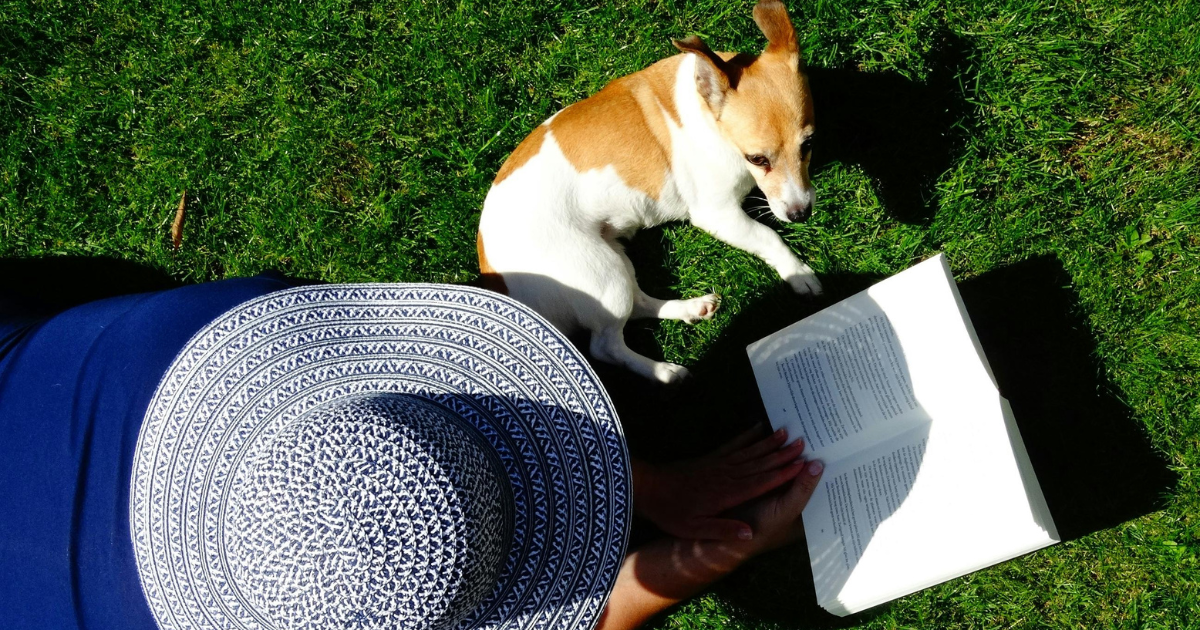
(372, 511)
(379, 456)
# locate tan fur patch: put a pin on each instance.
(769, 114)
(623, 126)
(491, 280)
(529, 147)
(777, 93)
(772, 19)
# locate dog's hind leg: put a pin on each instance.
(608, 345)
(612, 297)
(690, 311)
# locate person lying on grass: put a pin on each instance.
(250, 453)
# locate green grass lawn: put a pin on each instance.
(351, 141)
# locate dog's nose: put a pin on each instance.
(799, 212)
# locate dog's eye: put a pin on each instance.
(806, 146)
(760, 161)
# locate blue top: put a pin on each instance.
(74, 388)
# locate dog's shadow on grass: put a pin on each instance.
(903, 133)
(1071, 418)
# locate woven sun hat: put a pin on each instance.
(379, 456)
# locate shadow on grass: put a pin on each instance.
(903, 133)
(43, 286)
(721, 400)
(52, 284)
(1093, 461)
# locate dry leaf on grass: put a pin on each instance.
(177, 225)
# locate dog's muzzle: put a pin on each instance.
(799, 213)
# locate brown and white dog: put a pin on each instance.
(686, 138)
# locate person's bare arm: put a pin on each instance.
(667, 571)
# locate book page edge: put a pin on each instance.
(962, 311)
(1033, 489)
(906, 591)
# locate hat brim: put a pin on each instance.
(480, 355)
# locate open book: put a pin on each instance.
(926, 477)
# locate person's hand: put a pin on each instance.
(776, 517)
(686, 499)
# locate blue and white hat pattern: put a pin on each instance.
(379, 456)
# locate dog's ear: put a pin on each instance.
(772, 19)
(712, 74)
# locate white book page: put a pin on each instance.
(880, 527)
(837, 378)
(856, 495)
(869, 366)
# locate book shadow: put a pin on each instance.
(1093, 460)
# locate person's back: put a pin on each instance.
(73, 391)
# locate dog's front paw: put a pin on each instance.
(671, 374)
(805, 283)
(702, 308)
